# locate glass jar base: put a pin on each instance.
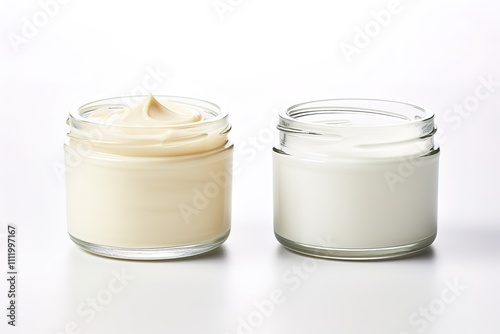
(358, 254)
(156, 253)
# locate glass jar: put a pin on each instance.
(155, 191)
(356, 179)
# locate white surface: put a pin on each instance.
(264, 56)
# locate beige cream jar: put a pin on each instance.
(148, 177)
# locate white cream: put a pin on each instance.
(356, 179)
(153, 175)
(351, 204)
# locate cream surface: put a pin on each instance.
(150, 128)
(149, 112)
(156, 174)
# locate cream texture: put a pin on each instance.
(154, 174)
(149, 112)
(149, 128)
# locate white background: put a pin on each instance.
(254, 59)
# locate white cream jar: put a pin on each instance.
(356, 179)
(148, 177)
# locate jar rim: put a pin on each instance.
(295, 114)
(206, 106)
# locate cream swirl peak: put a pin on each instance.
(154, 126)
(149, 112)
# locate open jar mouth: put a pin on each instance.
(357, 127)
(102, 134)
(362, 114)
(212, 113)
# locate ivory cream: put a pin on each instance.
(149, 180)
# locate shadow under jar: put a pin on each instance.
(356, 179)
(148, 177)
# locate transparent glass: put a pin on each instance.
(356, 179)
(148, 192)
